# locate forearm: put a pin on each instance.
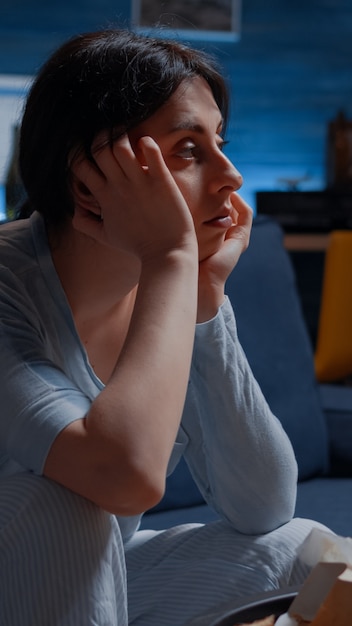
(151, 374)
(120, 454)
(238, 452)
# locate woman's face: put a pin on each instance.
(187, 129)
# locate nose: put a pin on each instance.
(223, 174)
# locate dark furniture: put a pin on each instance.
(317, 418)
(307, 211)
(307, 216)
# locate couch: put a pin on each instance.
(316, 417)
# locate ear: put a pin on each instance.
(83, 198)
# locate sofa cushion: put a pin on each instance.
(327, 500)
(181, 490)
(337, 404)
(273, 333)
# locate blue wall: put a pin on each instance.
(290, 74)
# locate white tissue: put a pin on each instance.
(324, 546)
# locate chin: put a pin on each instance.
(209, 248)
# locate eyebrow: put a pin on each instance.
(192, 126)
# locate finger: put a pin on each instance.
(234, 215)
(243, 225)
(109, 164)
(128, 162)
(115, 160)
(153, 160)
(244, 211)
(152, 154)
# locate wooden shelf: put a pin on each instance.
(310, 242)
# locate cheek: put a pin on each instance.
(191, 189)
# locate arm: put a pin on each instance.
(117, 455)
(238, 452)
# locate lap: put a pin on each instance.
(62, 563)
(178, 574)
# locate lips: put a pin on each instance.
(221, 221)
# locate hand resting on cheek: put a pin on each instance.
(140, 208)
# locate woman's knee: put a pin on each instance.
(56, 549)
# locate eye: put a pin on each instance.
(221, 144)
(187, 151)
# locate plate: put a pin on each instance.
(274, 605)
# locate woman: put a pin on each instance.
(119, 351)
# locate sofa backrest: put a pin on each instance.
(273, 333)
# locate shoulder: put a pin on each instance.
(17, 250)
(24, 277)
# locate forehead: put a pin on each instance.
(191, 107)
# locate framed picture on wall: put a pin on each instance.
(190, 19)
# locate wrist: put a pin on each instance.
(153, 256)
(167, 260)
(210, 300)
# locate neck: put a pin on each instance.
(97, 279)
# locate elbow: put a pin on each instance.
(273, 514)
(138, 500)
(259, 513)
(130, 493)
(275, 511)
(271, 519)
(262, 521)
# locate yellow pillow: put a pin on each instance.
(333, 355)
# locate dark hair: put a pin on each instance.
(108, 80)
